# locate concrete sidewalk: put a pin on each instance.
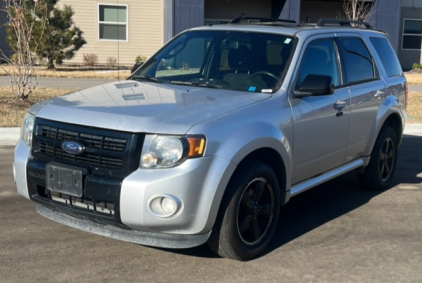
(10, 136)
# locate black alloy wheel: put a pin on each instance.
(248, 213)
(380, 170)
(386, 159)
(255, 211)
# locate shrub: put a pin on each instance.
(90, 59)
(15, 58)
(417, 66)
(111, 62)
(140, 58)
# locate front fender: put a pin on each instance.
(237, 146)
(255, 137)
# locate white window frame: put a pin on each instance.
(410, 34)
(114, 23)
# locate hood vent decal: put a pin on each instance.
(139, 96)
(126, 85)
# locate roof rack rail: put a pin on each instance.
(261, 20)
(325, 22)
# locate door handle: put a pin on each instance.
(378, 94)
(339, 105)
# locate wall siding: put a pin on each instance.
(4, 46)
(291, 11)
(229, 10)
(145, 31)
(321, 9)
(408, 57)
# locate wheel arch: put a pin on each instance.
(276, 152)
(274, 160)
(394, 121)
(389, 114)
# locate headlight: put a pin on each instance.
(169, 151)
(27, 129)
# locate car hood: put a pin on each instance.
(144, 107)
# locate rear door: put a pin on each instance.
(321, 130)
(367, 90)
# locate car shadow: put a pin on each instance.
(331, 200)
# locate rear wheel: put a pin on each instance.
(248, 214)
(380, 170)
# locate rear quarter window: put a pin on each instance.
(387, 56)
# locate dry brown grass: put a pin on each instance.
(413, 77)
(13, 109)
(89, 73)
(414, 108)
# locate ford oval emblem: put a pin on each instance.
(73, 147)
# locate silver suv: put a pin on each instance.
(215, 132)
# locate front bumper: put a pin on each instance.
(139, 237)
(198, 183)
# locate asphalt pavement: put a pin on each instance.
(336, 232)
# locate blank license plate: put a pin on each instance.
(64, 180)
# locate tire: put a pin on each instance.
(380, 171)
(248, 214)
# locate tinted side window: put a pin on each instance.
(387, 56)
(320, 59)
(357, 60)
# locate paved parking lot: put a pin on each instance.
(333, 233)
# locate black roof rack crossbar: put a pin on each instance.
(325, 22)
(261, 20)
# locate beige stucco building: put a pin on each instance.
(137, 23)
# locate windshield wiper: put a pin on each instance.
(196, 84)
(150, 79)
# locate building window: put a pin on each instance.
(412, 34)
(113, 22)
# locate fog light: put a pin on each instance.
(164, 206)
(168, 205)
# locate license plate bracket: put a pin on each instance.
(65, 179)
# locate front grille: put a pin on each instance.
(89, 140)
(107, 152)
(88, 159)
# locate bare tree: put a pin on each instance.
(20, 66)
(357, 10)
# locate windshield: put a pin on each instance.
(244, 61)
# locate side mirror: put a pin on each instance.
(136, 66)
(314, 85)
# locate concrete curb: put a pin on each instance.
(413, 129)
(10, 136)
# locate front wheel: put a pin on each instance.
(248, 214)
(380, 170)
